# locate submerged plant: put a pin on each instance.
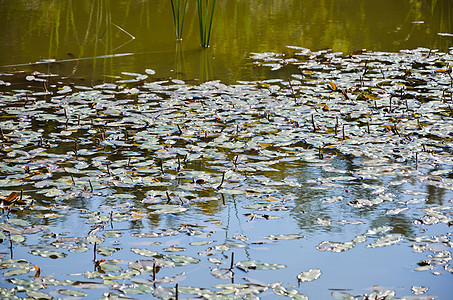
(178, 8)
(205, 17)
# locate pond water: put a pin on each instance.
(261, 167)
(33, 31)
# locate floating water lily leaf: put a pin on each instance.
(79, 249)
(284, 237)
(327, 246)
(256, 206)
(113, 234)
(38, 295)
(294, 294)
(419, 290)
(48, 253)
(424, 268)
(168, 209)
(343, 247)
(106, 267)
(194, 291)
(261, 216)
(360, 239)
(174, 249)
(138, 289)
(165, 292)
(222, 273)
(360, 203)
(256, 265)
(93, 239)
(231, 192)
(31, 284)
(34, 229)
(381, 229)
(309, 275)
(333, 199)
(144, 252)
(215, 260)
(15, 272)
(342, 295)
(19, 222)
(396, 211)
(72, 293)
(386, 241)
(201, 243)
(323, 222)
(181, 260)
(106, 251)
(17, 238)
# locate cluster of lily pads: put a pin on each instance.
(127, 175)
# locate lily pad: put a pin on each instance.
(144, 252)
(387, 240)
(48, 253)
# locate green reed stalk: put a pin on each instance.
(179, 12)
(205, 14)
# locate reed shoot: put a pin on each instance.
(205, 17)
(179, 12)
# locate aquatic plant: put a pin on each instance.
(179, 12)
(162, 176)
(205, 17)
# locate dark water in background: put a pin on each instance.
(31, 31)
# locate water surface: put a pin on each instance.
(32, 31)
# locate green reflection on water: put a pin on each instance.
(51, 29)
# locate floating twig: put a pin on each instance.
(313, 123)
(223, 178)
(76, 148)
(416, 160)
(235, 162)
(10, 244)
(232, 261)
(179, 128)
(292, 91)
(168, 197)
(154, 273)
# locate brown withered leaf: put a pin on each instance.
(8, 200)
